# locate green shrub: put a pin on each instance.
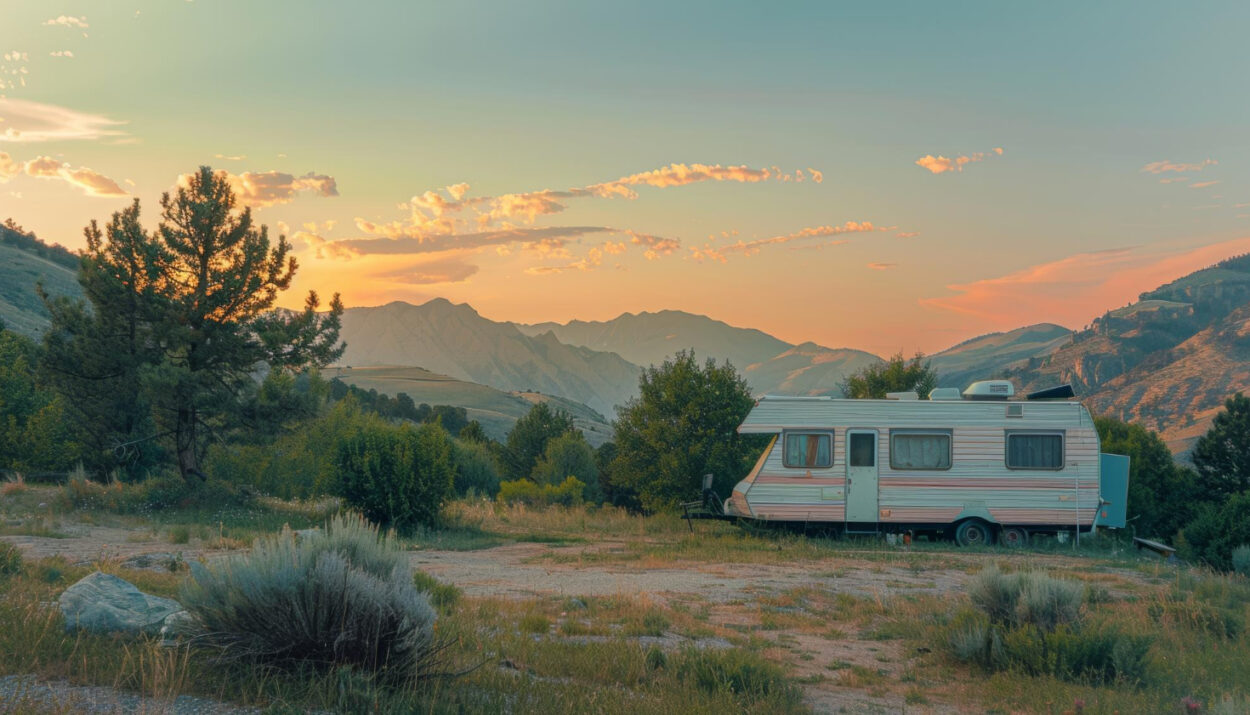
(997, 594)
(1049, 602)
(1241, 560)
(156, 494)
(340, 596)
(10, 559)
(396, 475)
(477, 472)
(741, 673)
(1216, 532)
(443, 596)
(569, 455)
(523, 491)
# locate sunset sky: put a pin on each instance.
(884, 176)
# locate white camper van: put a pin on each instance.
(976, 465)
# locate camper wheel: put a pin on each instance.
(1014, 537)
(973, 532)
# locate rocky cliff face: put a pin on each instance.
(1168, 361)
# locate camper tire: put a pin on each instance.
(974, 532)
(1014, 537)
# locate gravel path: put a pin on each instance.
(26, 694)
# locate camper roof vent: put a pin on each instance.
(989, 390)
(944, 393)
(908, 395)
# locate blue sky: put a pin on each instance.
(333, 117)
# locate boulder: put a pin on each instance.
(103, 603)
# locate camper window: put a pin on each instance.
(920, 450)
(807, 450)
(1035, 450)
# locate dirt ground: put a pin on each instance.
(730, 591)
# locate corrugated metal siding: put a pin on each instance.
(978, 476)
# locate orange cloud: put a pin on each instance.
(1073, 290)
(45, 167)
(907, 234)
(69, 21)
(446, 270)
(1203, 184)
(1160, 167)
(882, 266)
(269, 188)
(655, 246)
(536, 239)
(940, 164)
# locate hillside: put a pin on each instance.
(807, 369)
(991, 354)
(494, 409)
(24, 263)
(453, 340)
(1167, 361)
(648, 338)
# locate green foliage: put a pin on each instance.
(1034, 623)
(894, 375)
(402, 407)
(682, 425)
(296, 465)
(179, 321)
(523, 491)
(1241, 560)
(14, 235)
(1211, 537)
(477, 472)
(473, 432)
(396, 475)
(443, 596)
(10, 560)
(527, 441)
(150, 496)
(569, 455)
(343, 596)
(35, 433)
(1161, 493)
(742, 673)
(1222, 455)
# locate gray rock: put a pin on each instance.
(103, 603)
(176, 626)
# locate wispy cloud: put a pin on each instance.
(528, 237)
(1167, 165)
(442, 270)
(62, 53)
(882, 266)
(941, 164)
(750, 248)
(907, 234)
(653, 246)
(91, 182)
(28, 122)
(1203, 184)
(230, 157)
(69, 21)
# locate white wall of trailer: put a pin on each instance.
(978, 479)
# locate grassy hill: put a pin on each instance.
(989, 355)
(20, 271)
(807, 369)
(495, 409)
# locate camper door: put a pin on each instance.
(861, 475)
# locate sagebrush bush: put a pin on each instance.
(396, 475)
(523, 491)
(341, 596)
(10, 559)
(1035, 623)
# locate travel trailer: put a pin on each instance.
(977, 465)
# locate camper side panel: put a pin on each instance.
(781, 493)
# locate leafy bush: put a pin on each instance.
(1241, 560)
(340, 596)
(10, 559)
(148, 496)
(399, 476)
(1034, 623)
(1212, 536)
(476, 470)
(568, 455)
(739, 672)
(442, 595)
(523, 491)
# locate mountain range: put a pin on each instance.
(1167, 361)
